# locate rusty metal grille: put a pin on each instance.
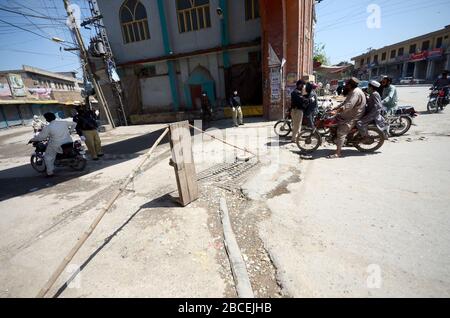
(228, 176)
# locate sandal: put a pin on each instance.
(335, 156)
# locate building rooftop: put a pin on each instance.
(447, 27)
(59, 75)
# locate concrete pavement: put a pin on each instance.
(367, 226)
(361, 226)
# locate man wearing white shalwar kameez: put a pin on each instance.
(58, 133)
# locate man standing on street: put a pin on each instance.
(206, 110)
(87, 129)
(236, 106)
(348, 113)
(299, 104)
(390, 97)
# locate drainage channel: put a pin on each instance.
(225, 181)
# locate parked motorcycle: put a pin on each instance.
(310, 140)
(400, 123)
(438, 99)
(284, 127)
(73, 156)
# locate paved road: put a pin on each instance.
(375, 225)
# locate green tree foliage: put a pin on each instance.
(320, 55)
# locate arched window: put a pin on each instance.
(133, 18)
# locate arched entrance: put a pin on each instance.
(199, 81)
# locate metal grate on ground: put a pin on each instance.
(228, 176)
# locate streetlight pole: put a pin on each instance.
(87, 67)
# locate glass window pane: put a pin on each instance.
(181, 22)
(130, 32)
(201, 18)
(125, 34)
(125, 15)
(183, 4)
(208, 18)
(137, 35)
(140, 12)
(188, 22)
(194, 20)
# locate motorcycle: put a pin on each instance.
(73, 156)
(310, 140)
(284, 127)
(438, 99)
(400, 122)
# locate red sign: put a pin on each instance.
(419, 56)
(435, 53)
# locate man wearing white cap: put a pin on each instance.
(373, 110)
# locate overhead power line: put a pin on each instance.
(32, 15)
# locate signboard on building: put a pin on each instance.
(5, 90)
(275, 84)
(435, 54)
(419, 56)
(17, 85)
(41, 93)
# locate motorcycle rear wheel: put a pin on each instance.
(79, 164)
(400, 126)
(38, 164)
(283, 128)
(309, 141)
(378, 141)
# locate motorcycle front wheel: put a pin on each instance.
(309, 141)
(374, 141)
(433, 107)
(400, 126)
(283, 128)
(79, 164)
(38, 163)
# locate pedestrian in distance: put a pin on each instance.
(206, 110)
(236, 106)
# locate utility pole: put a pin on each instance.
(108, 56)
(87, 67)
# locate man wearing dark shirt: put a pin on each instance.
(236, 104)
(299, 104)
(87, 129)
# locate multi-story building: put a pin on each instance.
(31, 91)
(423, 57)
(169, 52)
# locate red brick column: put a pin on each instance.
(298, 47)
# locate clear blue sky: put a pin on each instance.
(19, 47)
(342, 26)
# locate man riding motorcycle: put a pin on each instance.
(373, 112)
(348, 113)
(443, 83)
(58, 133)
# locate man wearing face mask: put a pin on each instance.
(373, 111)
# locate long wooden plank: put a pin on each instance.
(183, 162)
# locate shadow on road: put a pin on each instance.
(323, 153)
(164, 201)
(22, 180)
